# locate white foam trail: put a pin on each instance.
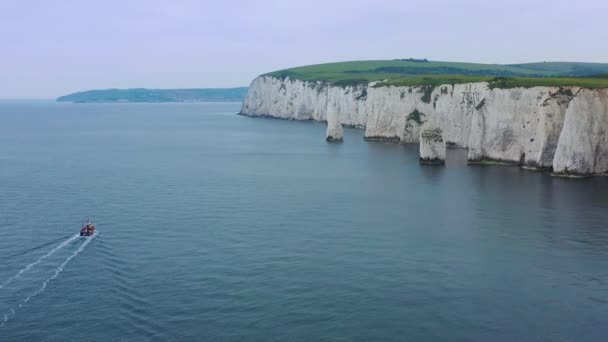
(63, 244)
(58, 270)
(45, 283)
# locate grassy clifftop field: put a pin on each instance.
(411, 72)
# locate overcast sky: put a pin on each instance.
(53, 47)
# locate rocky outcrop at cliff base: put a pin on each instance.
(432, 145)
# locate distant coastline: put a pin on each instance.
(144, 95)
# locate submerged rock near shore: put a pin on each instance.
(563, 129)
(432, 145)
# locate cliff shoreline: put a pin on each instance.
(560, 129)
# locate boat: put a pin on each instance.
(87, 229)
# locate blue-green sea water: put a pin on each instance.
(219, 227)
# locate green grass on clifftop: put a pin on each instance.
(413, 72)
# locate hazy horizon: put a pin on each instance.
(55, 48)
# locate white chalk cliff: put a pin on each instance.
(432, 145)
(335, 131)
(559, 128)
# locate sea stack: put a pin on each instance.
(432, 145)
(335, 132)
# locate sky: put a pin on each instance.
(50, 48)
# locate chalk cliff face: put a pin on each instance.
(335, 131)
(563, 128)
(583, 144)
(432, 146)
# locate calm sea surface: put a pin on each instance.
(218, 227)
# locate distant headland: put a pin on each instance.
(142, 95)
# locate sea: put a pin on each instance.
(213, 226)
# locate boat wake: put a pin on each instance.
(26, 268)
(7, 257)
(54, 276)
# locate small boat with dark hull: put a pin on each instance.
(87, 229)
